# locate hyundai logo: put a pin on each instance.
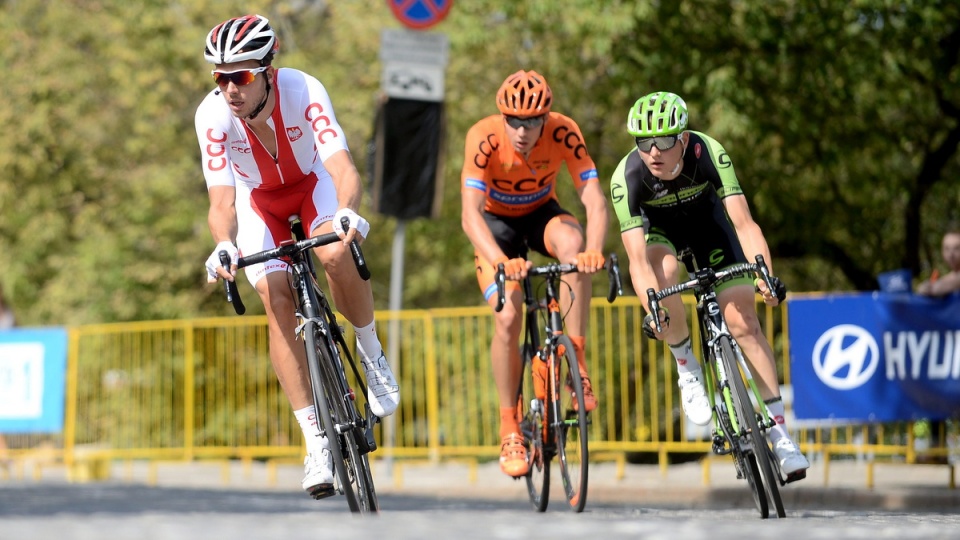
(845, 357)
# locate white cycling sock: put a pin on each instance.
(683, 353)
(368, 344)
(778, 431)
(310, 425)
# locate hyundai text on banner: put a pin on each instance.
(875, 356)
(32, 374)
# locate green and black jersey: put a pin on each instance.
(685, 212)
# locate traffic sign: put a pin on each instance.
(413, 63)
(420, 14)
(399, 45)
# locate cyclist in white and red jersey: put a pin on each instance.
(271, 148)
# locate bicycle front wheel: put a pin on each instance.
(532, 425)
(350, 450)
(762, 450)
(764, 483)
(571, 424)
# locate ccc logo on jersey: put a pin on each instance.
(570, 139)
(314, 115)
(525, 185)
(485, 149)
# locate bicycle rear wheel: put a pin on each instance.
(571, 427)
(764, 483)
(532, 426)
(350, 459)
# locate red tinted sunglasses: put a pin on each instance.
(240, 77)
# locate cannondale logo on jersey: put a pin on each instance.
(845, 357)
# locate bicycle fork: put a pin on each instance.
(717, 384)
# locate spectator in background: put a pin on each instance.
(948, 283)
(940, 285)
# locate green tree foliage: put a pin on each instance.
(841, 119)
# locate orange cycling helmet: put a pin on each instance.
(525, 93)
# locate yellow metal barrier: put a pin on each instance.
(205, 389)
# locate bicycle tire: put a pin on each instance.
(358, 442)
(315, 345)
(356, 480)
(570, 430)
(532, 428)
(762, 452)
(747, 418)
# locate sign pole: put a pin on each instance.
(393, 331)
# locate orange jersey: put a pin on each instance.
(514, 186)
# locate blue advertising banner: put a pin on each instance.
(875, 357)
(33, 364)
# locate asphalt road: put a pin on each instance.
(208, 502)
(116, 511)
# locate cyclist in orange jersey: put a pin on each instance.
(508, 190)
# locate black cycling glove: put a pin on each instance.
(648, 321)
(779, 288)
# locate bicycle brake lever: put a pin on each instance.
(230, 287)
(765, 273)
(613, 274)
(654, 308)
(500, 279)
(358, 259)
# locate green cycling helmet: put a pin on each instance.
(657, 114)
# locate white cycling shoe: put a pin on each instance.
(318, 474)
(383, 392)
(792, 461)
(693, 398)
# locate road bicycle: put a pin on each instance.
(556, 425)
(348, 428)
(739, 428)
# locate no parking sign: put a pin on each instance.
(420, 14)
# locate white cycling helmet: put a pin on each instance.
(242, 38)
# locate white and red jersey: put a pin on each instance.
(306, 129)
(268, 190)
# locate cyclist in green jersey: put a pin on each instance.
(678, 190)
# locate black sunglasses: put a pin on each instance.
(662, 143)
(531, 122)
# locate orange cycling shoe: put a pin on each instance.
(589, 399)
(513, 455)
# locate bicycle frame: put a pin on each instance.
(534, 307)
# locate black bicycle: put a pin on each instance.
(556, 425)
(739, 427)
(349, 430)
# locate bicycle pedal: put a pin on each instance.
(719, 446)
(323, 491)
(796, 475)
